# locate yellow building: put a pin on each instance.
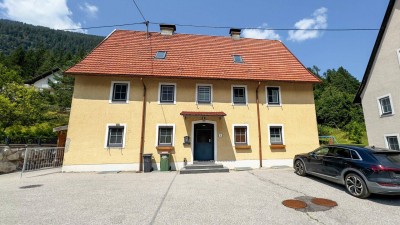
(236, 101)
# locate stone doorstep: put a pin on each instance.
(208, 170)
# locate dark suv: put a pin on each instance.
(362, 170)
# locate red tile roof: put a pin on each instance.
(187, 113)
(130, 53)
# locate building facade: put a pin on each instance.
(379, 92)
(236, 101)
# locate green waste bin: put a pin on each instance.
(164, 162)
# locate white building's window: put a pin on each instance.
(203, 93)
(240, 134)
(398, 55)
(273, 96)
(119, 92)
(392, 141)
(115, 135)
(239, 94)
(276, 134)
(165, 134)
(167, 93)
(385, 105)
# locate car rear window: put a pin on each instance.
(354, 155)
(393, 158)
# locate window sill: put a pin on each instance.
(114, 147)
(118, 102)
(277, 146)
(274, 105)
(165, 148)
(386, 115)
(167, 103)
(242, 147)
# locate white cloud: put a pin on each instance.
(318, 21)
(260, 33)
(49, 13)
(91, 10)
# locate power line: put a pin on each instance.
(281, 29)
(226, 27)
(139, 11)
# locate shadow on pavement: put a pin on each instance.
(378, 198)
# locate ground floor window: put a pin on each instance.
(165, 135)
(115, 135)
(240, 134)
(276, 135)
(392, 142)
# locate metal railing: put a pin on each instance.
(42, 157)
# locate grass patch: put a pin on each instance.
(341, 136)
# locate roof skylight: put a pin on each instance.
(160, 55)
(238, 59)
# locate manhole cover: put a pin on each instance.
(31, 186)
(294, 204)
(324, 202)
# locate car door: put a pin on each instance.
(314, 159)
(336, 161)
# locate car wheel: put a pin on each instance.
(356, 186)
(299, 168)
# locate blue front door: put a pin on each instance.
(203, 142)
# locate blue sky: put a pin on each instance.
(326, 49)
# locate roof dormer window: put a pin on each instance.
(160, 55)
(237, 59)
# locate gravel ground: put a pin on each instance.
(245, 197)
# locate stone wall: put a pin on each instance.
(11, 159)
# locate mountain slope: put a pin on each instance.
(16, 34)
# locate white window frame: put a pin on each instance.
(380, 107)
(266, 96)
(247, 133)
(245, 90)
(269, 132)
(108, 125)
(166, 125)
(112, 92)
(211, 94)
(398, 54)
(159, 94)
(390, 135)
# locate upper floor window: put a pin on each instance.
(273, 96)
(204, 93)
(276, 134)
(160, 55)
(167, 93)
(392, 141)
(385, 105)
(119, 92)
(239, 95)
(238, 59)
(115, 135)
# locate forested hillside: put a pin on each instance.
(25, 52)
(32, 50)
(336, 113)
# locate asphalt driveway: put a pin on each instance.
(245, 197)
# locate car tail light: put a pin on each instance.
(388, 184)
(380, 168)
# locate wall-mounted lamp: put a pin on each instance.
(186, 140)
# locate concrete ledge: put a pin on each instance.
(176, 165)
